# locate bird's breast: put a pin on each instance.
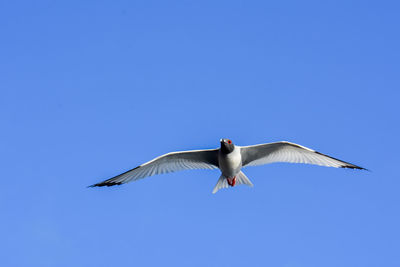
(231, 163)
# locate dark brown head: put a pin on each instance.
(227, 146)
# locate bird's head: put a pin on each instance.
(227, 145)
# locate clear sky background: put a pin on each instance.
(90, 89)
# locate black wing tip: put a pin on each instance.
(110, 182)
(105, 184)
(354, 167)
(346, 166)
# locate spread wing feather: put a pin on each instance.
(289, 152)
(170, 162)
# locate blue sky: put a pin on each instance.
(90, 89)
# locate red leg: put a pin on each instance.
(231, 181)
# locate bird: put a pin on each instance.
(229, 159)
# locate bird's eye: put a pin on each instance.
(229, 142)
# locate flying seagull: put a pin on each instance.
(230, 159)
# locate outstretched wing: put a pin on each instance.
(289, 152)
(171, 162)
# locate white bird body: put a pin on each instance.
(230, 159)
(230, 164)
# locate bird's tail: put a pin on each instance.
(241, 178)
